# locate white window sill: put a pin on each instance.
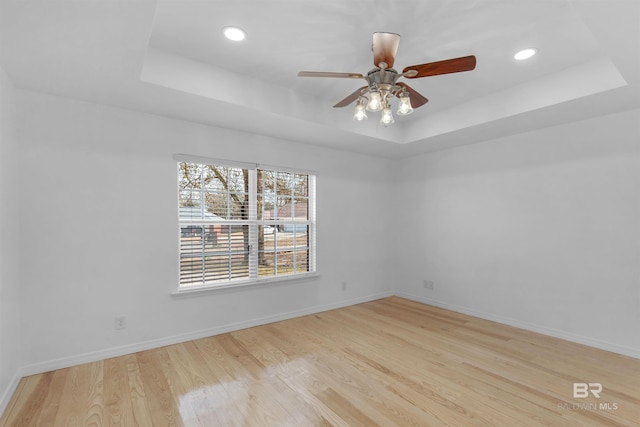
(192, 290)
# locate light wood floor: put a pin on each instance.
(387, 362)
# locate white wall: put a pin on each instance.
(540, 230)
(9, 282)
(99, 237)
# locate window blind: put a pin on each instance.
(242, 223)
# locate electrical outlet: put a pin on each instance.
(428, 284)
(344, 286)
(121, 322)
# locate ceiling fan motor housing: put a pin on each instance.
(382, 78)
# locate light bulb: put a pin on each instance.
(387, 118)
(404, 107)
(360, 113)
(375, 101)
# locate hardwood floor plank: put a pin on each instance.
(345, 409)
(82, 399)
(51, 403)
(139, 410)
(198, 388)
(32, 390)
(162, 404)
(389, 362)
(117, 393)
(228, 391)
(306, 386)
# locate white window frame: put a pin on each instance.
(253, 223)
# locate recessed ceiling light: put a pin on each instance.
(525, 53)
(234, 33)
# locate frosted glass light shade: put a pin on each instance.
(404, 107)
(387, 118)
(375, 101)
(360, 113)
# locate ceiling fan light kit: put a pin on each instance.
(382, 80)
(379, 100)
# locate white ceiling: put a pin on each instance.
(170, 58)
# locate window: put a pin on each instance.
(242, 223)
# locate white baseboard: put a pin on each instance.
(591, 342)
(8, 392)
(66, 362)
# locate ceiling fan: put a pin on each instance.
(382, 80)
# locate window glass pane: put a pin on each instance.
(187, 232)
(291, 235)
(300, 209)
(220, 178)
(191, 262)
(266, 265)
(200, 254)
(238, 181)
(238, 206)
(301, 185)
(227, 205)
(226, 191)
(284, 262)
(215, 178)
(217, 267)
(230, 256)
(267, 204)
(283, 249)
(302, 261)
(265, 179)
(216, 205)
(266, 194)
(189, 175)
(266, 246)
(284, 183)
(190, 204)
(191, 271)
(283, 207)
(233, 238)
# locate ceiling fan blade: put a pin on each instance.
(330, 74)
(416, 99)
(349, 99)
(455, 65)
(385, 47)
